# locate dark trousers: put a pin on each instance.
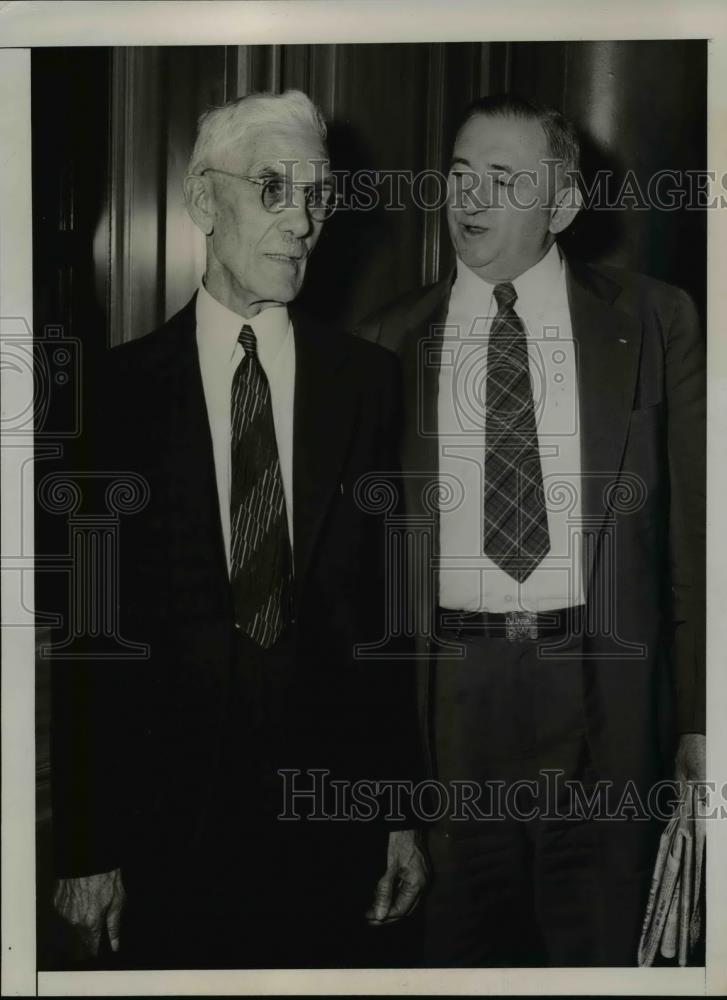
(534, 882)
(254, 891)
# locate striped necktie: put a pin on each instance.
(260, 556)
(515, 516)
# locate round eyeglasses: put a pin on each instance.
(276, 193)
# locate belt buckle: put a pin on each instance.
(521, 625)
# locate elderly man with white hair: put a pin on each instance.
(252, 575)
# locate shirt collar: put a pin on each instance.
(533, 287)
(221, 325)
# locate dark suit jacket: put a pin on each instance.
(641, 384)
(136, 743)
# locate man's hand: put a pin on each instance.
(90, 903)
(400, 887)
(691, 758)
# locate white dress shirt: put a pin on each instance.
(469, 580)
(219, 355)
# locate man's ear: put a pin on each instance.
(199, 197)
(566, 205)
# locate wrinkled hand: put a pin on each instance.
(401, 886)
(691, 758)
(90, 903)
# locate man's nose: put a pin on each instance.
(296, 218)
(479, 197)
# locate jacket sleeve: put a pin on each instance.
(397, 677)
(686, 402)
(85, 707)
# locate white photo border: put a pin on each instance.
(27, 24)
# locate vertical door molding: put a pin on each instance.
(238, 71)
(137, 193)
(120, 196)
(197, 79)
(323, 69)
(433, 158)
(266, 68)
(495, 68)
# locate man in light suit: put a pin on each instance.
(251, 574)
(558, 580)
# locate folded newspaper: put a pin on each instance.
(672, 923)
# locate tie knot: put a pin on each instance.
(247, 339)
(505, 295)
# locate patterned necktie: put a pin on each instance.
(260, 557)
(515, 516)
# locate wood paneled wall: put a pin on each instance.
(639, 105)
(389, 107)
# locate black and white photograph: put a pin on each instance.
(362, 558)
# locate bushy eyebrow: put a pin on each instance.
(502, 167)
(266, 170)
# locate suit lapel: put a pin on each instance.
(420, 363)
(188, 456)
(324, 408)
(608, 344)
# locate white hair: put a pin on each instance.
(227, 125)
